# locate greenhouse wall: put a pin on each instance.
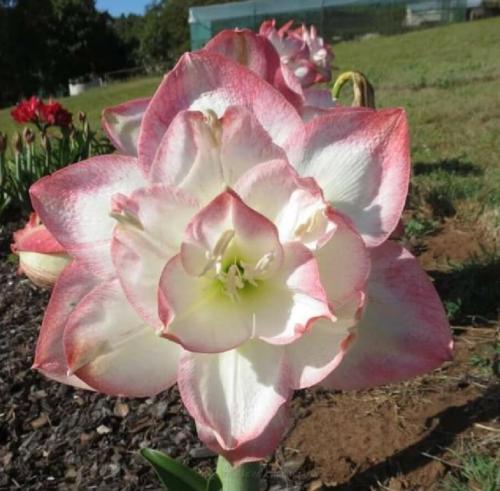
(335, 19)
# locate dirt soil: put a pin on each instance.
(54, 437)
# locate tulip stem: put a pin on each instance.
(245, 477)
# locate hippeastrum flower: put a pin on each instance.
(254, 51)
(302, 50)
(27, 110)
(41, 257)
(233, 256)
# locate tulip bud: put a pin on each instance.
(41, 257)
(82, 117)
(3, 142)
(28, 136)
(17, 143)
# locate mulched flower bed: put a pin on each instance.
(56, 437)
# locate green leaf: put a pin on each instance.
(214, 483)
(173, 475)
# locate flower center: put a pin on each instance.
(235, 274)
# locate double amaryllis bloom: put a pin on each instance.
(302, 50)
(237, 251)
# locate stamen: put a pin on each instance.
(125, 217)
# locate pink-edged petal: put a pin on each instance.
(317, 102)
(73, 284)
(207, 81)
(292, 299)
(318, 351)
(203, 154)
(250, 235)
(35, 237)
(74, 204)
(294, 204)
(361, 159)
(236, 394)
(122, 123)
(142, 247)
(253, 450)
(110, 348)
(343, 261)
(403, 331)
(257, 53)
(198, 314)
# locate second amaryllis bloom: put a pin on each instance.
(241, 254)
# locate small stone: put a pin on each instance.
(42, 420)
(85, 437)
(179, 437)
(316, 485)
(103, 430)
(121, 410)
(293, 464)
(161, 409)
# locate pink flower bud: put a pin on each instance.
(41, 257)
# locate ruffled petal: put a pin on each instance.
(318, 351)
(73, 284)
(361, 160)
(253, 450)
(203, 154)
(257, 53)
(343, 262)
(292, 300)
(111, 349)
(122, 123)
(250, 236)
(143, 245)
(294, 204)
(74, 203)
(205, 81)
(235, 396)
(403, 331)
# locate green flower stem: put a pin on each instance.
(245, 477)
(364, 94)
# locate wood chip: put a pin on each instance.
(42, 420)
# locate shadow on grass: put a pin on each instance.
(451, 422)
(471, 291)
(452, 166)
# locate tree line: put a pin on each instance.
(46, 43)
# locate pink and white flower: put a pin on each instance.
(241, 254)
(262, 54)
(302, 50)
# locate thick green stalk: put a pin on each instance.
(245, 477)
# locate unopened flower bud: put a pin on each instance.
(46, 142)
(3, 142)
(28, 136)
(17, 143)
(82, 117)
